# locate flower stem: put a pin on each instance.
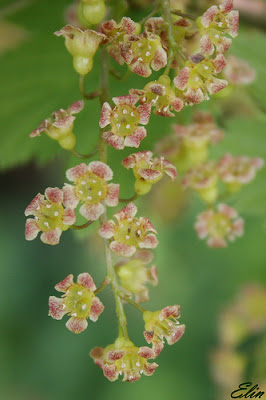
(78, 227)
(188, 16)
(87, 96)
(134, 197)
(103, 285)
(136, 305)
(111, 275)
(83, 156)
(156, 6)
(121, 78)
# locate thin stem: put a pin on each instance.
(136, 305)
(87, 96)
(83, 156)
(79, 227)
(156, 6)
(111, 274)
(103, 285)
(134, 197)
(120, 78)
(189, 16)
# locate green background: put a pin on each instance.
(42, 360)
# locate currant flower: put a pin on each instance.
(124, 119)
(82, 45)
(60, 125)
(237, 171)
(117, 34)
(197, 79)
(129, 233)
(163, 324)
(238, 72)
(51, 218)
(124, 358)
(91, 189)
(133, 275)
(91, 12)
(78, 301)
(161, 96)
(143, 52)
(147, 170)
(204, 180)
(217, 226)
(214, 26)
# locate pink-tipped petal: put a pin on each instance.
(31, 229)
(52, 237)
(206, 45)
(170, 170)
(69, 216)
(209, 16)
(145, 256)
(150, 242)
(77, 325)
(76, 107)
(65, 284)
(170, 311)
(227, 211)
(64, 122)
(176, 334)
(216, 85)
(227, 6)
(56, 308)
(153, 276)
(92, 211)
(177, 104)
(110, 372)
(147, 225)
(129, 99)
(149, 174)
(115, 355)
(112, 198)
(238, 227)
(148, 335)
(34, 205)
(140, 68)
(160, 59)
(129, 26)
(117, 142)
(127, 212)
(233, 22)
(86, 280)
(146, 352)
(107, 230)
(70, 198)
(219, 63)
(101, 169)
(216, 242)
(149, 368)
(105, 117)
(144, 113)
(75, 173)
(122, 249)
(97, 308)
(181, 80)
(135, 139)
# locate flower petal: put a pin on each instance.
(146, 352)
(52, 237)
(135, 139)
(209, 15)
(97, 308)
(149, 368)
(169, 311)
(107, 230)
(122, 249)
(31, 229)
(56, 308)
(147, 225)
(160, 59)
(149, 174)
(150, 242)
(77, 325)
(117, 142)
(233, 22)
(140, 68)
(115, 355)
(112, 194)
(101, 169)
(86, 280)
(216, 242)
(127, 212)
(144, 111)
(181, 80)
(76, 107)
(105, 117)
(64, 284)
(176, 334)
(145, 256)
(70, 198)
(177, 104)
(69, 216)
(34, 205)
(227, 211)
(110, 372)
(206, 46)
(74, 173)
(92, 211)
(129, 99)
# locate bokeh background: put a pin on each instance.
(41, 359)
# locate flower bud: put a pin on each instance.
(91, 12)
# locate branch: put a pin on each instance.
(78, 227)
(134, 197)
(83, 156)
(87, 96)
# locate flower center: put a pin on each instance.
(219, 226)
(78, 300)
(49, 216)
(130, 232)
(124, 120)
(90, 188)
(144, 49)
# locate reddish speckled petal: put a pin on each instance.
(56, 308)
(128, 25)
(77, 325)
(52, 237)
(54, 195)
(74, 173)
(70, 198)
(129, 162)
(122, 249)
(216, 85)
(148, 335)
(105, 117)
(177, 104)
(227, 211)
(150, 242)
(135, 139)
(180, 81)
(117, 142)
(157, 347)
(97, 353)
(206, 46)
(170, 169)
(107, 230)
(115, 355)
(216, 242)
(31, 229)
(145, 256)
(140, 68)
(149, 174)
(219, 63)
(64, 284)
(69, 216)
(170, 311)
(34, 205)
(129, 211)
(233, 22)
(153, 275)
(238, 227)
(96, 309)
(194, 96)
(147, 225)
(41, 128)
(112, 194)
(160, 59)
(227, 6)
(101, 169)
(144, 113)
(176, 334)
(146, 352)
(64, 122)
(209, 15)
(92, 211)
(201, 229)
(76, 107)
(150, 368)
(86, 280)
(110, 372)
(129, 99)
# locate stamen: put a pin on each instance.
(83, 306)
(48, 205)
(124, 111)
(80, 293)
(46, 224)
(56, 214)
(128, 126)
(99, 193)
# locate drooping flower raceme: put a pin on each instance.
(129, 232)
(60, 125)
(82, 45)
(78, 301)
(163, 324)
(147, 170)
(214, 26)
(117, 34)
(238, 171)
(124, 119)
(133, 275)
(161, 96)
(124, 358)
(197, 80)
(91, 189)
(217, 226)
(50, 216)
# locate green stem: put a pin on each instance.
(83, 156)
(136, 305)
(87, 96)
(111, 275)
(188, 16)
(156, 6)
(103, 285)
(120, 78)
(79, 227)
(134, 197)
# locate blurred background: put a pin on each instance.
(221, 291)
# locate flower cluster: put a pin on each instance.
(60, 125)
